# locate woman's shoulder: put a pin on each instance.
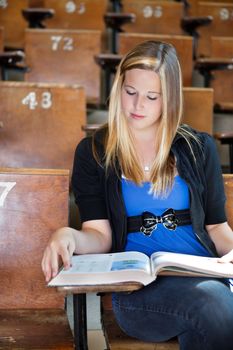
(194, 136)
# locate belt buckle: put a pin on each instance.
(149, 223)
(170, 220)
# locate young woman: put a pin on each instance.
(145, 182)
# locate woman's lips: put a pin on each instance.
(136, 116)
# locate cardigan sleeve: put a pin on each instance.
(215, 203)
(88, 184)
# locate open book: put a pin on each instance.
(99, 269)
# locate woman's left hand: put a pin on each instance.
(227, 257)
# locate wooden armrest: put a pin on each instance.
(116, 20)
(35, 16)
(90, 128)
(213, 63)
(108, 60)
(206, 65)
(224, 137)
(223, 107)
(102, 288)
(190, 24)
(11, 58)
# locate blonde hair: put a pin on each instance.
(161, 58)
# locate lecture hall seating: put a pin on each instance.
(33, 204)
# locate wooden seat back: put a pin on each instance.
(40, 124)
(223, 79)
(198, 108)
(182, 43)
(154, 16)
(12, 20)
(86, 14)
(64, 56)
(220, 26)
(33, 204)
(192, 8)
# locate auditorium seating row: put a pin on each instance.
(67, 53)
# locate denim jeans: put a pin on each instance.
(199, 311)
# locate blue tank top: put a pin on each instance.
(138, 199)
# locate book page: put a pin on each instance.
(206, 266)
(96, 269)
(100, 263)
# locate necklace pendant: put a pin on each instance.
(146, 168)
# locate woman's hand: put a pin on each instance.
(227, 257)
(60, 246)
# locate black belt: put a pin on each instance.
(147, 222)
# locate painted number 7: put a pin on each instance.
(7, 187)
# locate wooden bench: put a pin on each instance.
(40, 124)
(198, 110)
(64, 56)
(33, 203)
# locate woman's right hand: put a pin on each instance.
(61, 246)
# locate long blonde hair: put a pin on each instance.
(161, 58)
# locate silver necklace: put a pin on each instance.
(146, 168)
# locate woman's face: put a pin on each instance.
(141, 98)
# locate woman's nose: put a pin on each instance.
(139, 102)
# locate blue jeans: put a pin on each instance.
(199, 311)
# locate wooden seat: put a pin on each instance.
(182, 43)
(12, 21)
(116, 339)
(154, 16)
(220, 26)
(33, 203)
(198, 108)
(192, 6)
(222, 81)
(64, 56)
(40, 124)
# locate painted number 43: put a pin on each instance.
(31, 100)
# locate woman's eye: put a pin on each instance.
(130, 92)
(152, 98)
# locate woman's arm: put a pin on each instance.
(94, 237)
(222, 236)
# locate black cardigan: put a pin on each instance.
(98, 194)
